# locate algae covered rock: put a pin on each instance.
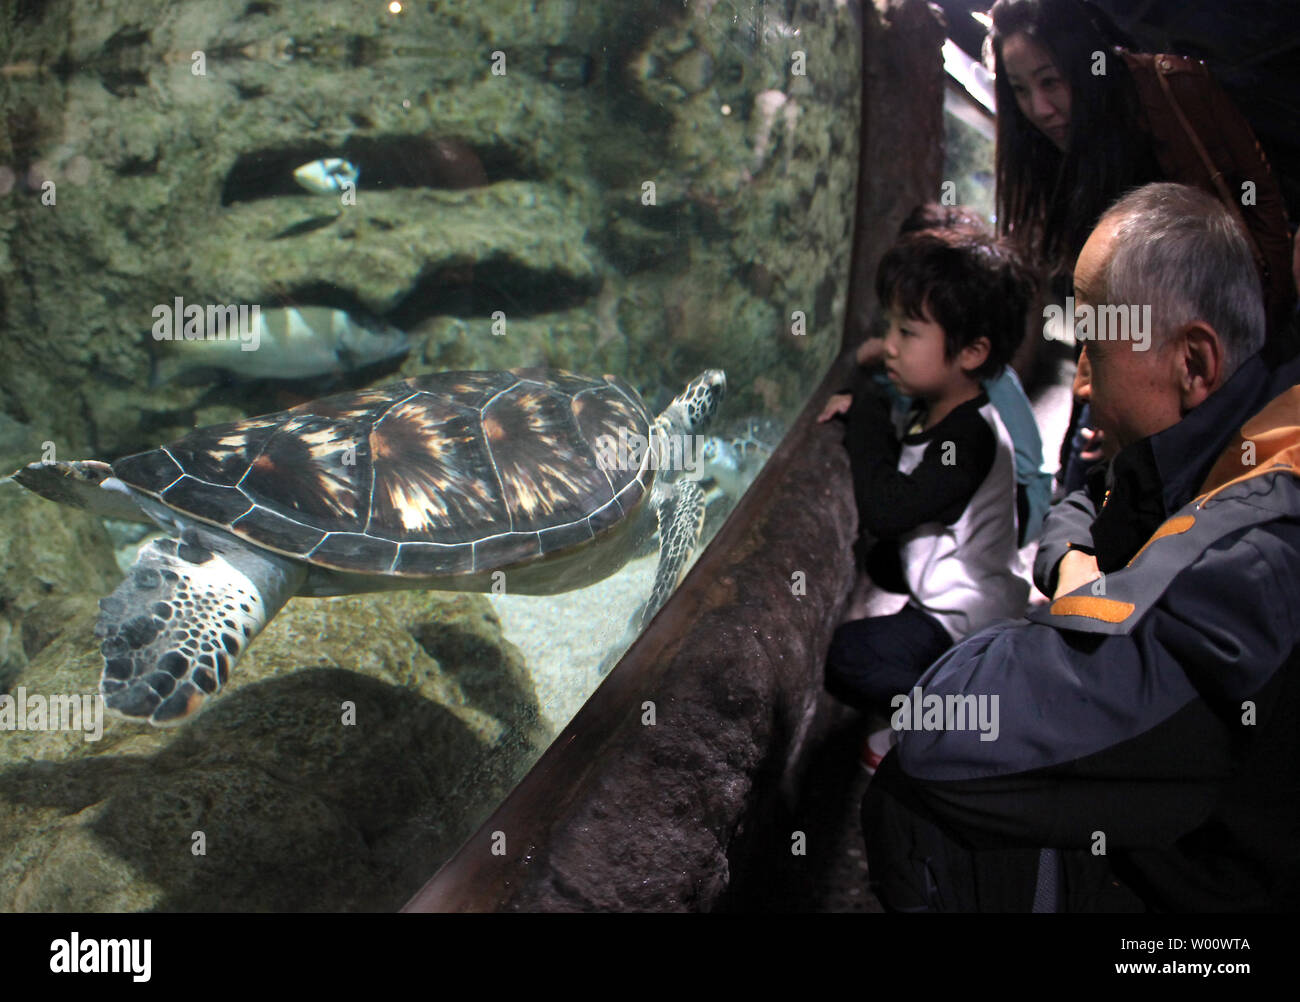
(46, 554)
(170, 131)
(338, 767)
(19, 444)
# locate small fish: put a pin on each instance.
(328, 176)
(733, 463)
(300, 342)
(721, 461)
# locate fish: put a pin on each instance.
(721, 461)
(327, 176)
(732, 463)
(296, 342)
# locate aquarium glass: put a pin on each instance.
(969, 133)
(214, 210)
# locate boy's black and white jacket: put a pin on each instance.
(947, 496)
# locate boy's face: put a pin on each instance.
(914, 356)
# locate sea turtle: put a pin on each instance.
(539, 480)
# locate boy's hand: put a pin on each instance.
(1094, 440)
(1075, 570)
(837, 404)
(870, 351)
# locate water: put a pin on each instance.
(645, 189)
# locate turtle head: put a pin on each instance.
(694, 408)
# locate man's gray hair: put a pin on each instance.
(1179, 250)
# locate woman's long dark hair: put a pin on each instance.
(1049, 201)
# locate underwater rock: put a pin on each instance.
(544, 175)
(445, 162)
(305, 226)
(692, 71)
(295, 807)
(19, 445)
(46, 554)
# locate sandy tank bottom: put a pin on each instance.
(564, 638)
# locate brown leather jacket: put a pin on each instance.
(1199, 137)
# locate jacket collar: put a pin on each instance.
(1185, 453)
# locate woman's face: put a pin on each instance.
(1042, 94)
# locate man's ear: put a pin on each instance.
(974, 354)
(1082, 385)
(1200, 364)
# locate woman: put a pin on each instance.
(1048, 197)
(1081, 120)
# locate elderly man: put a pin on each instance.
(1138, 739)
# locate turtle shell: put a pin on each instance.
(451, 473)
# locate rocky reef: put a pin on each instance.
(52, 560)
(335, 769)
(639, 187)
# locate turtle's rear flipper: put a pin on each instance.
(173, 630)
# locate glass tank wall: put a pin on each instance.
(969, 133)
(216, 210)
(969, 141)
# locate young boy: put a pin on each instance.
(938, 493)
(1033, 483)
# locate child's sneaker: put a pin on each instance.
(877, 747)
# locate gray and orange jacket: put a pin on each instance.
(1154, 713)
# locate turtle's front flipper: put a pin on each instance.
(681, 519)
(87, 484)
(175, 627)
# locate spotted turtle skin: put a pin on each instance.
(455, 473)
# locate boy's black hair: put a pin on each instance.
(971, 284)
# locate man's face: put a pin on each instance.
(1133, 393)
